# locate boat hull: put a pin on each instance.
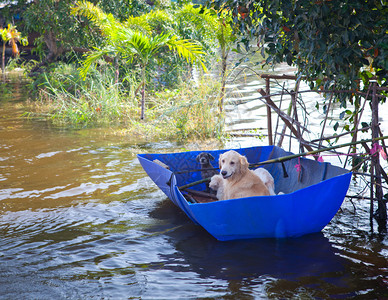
(312, 195)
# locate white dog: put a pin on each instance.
(239, 181)
(267, 179)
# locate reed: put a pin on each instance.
(189, 112)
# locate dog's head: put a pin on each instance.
(232, 163)
(204, 158)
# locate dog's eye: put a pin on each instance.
(232, 162)
(223, 160)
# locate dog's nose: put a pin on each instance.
(223, 173)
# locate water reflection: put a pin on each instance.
(247, 265)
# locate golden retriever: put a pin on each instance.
(239, 181)
(217, 184)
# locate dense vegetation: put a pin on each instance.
(123, 61)
(332, 42)
(140, 49)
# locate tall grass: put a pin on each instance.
(67, 100)
(189, 112)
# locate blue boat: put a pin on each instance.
(312, 194)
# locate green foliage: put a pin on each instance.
(59, 30)
(157, 46)
(67, 99)
(62, 35)
(134, 45)
(333, 39)
(11, 35)
(47, 16)
(189, 112)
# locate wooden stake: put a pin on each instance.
(381, 213)
(269, 117)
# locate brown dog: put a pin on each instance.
(239, 181)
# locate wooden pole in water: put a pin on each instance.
(284, 117)
(269, 118)
(381, 213)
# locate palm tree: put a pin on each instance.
(214, 26)
(226, 39)
(12, 36)
(134, 44)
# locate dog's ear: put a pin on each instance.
(244, 163)
(219, 161)
(211, 157)
(197, 158)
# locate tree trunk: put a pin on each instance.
(116, 67)
(142, 93)
(381, 212)
(224, 58)
(3, 59)
(51, 42)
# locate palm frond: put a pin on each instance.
(105, 22)
(203, 21)
(139, 23)
(93, 57)
(137, 44)
(160, 20)
(189, 50)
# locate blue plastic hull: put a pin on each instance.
(311, 197)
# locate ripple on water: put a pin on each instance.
(80, 219)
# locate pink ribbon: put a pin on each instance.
(378, 149)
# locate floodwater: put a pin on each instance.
(80, 219)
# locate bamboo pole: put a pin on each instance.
(372, 182)
(289, 157)
(339, 135)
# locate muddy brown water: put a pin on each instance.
(80, 219)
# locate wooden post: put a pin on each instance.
(295, 117)
(269, 118)
(372, 182)
(381, 212)
(324, 122)
(286, 119)
(356, 121)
